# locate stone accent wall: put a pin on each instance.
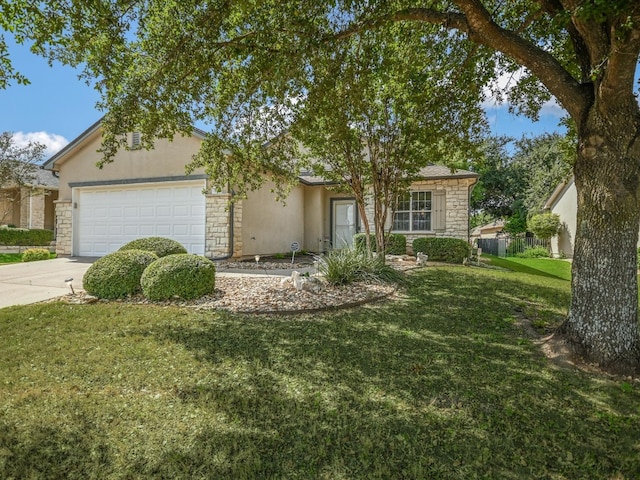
(456, 208)
(64, 228)
(217, 226)
(37, 209)
(24, 207)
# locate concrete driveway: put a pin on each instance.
(23, 283)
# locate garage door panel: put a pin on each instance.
(110, 217)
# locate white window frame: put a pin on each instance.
(413, 212)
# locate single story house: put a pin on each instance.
(564, 202)
(30, 205)
(146, 193)
(490, 230)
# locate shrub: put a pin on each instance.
(181, 275)
(544, 225)
(396, 243)
(638, 258)
(35, 254)
(159, 245)
(21, 237)
(118, 274)
(353, 264)
(534, 252)
(450, 250)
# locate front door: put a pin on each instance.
(344, 223)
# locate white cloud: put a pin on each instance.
(506, 82)
(53, 142)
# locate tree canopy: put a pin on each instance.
(161, 65)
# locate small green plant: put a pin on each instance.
(396, 243)
(118, 274)
(534, 252)
(279, 256)
(353, 264)
(159, 245)
(35, 254)
(442, 249)
(181, 275)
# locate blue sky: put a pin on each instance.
(56, 107)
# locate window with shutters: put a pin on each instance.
(414, 212)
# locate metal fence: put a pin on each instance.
(510, 246)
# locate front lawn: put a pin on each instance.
(15, 257)
(546, 267)
(443, 383)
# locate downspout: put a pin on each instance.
(231, 222)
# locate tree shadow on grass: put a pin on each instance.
(436, 386)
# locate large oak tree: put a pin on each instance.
(163, 64)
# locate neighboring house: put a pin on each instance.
(146, 193)
(30, 205)
(490, 230)
(564, 202)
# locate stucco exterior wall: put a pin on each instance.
(566, 206)
(314, 233)
(10, 207)
(168, 159)
(269, 226)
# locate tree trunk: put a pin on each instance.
(602, 324)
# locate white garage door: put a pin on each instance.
(109, 217)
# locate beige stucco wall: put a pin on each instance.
(10, 207)
(168, 159)
(314, 218)
(269, 226)
(566, 206)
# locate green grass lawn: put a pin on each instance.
(14, 257)
(546, 267)
(10, 258)
(440, 384)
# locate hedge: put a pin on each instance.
(159, 245)
(35, 254)
(117, 274)
(442, 249)
(22, 237)
(183, 275)
(396, 243)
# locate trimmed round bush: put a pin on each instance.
(35, 254)
(181, 275)
(442, 249)
(159, 245)
(117, 274)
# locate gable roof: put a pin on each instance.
(71, 146)
(44, 178)
(430, 172)
(558, 193)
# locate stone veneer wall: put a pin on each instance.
(31, 208)
(456, 208)
(64, 232)
(217, 226)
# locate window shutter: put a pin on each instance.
(135, 140)
(439, 210)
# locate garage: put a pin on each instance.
(107, 217)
